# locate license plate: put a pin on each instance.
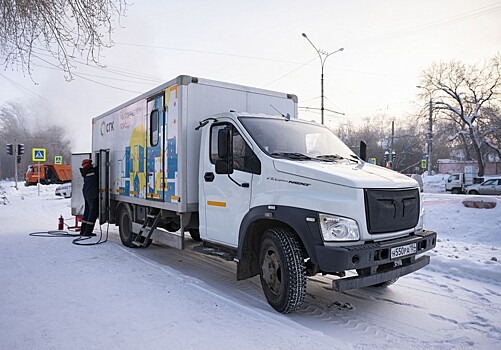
(397, 252)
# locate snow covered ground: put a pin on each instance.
(57, 295)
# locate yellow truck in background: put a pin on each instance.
(48, 173)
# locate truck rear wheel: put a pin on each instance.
(282, 270)
(125, 228)
(456, 191)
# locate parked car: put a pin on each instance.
(64, 190)
(489, 186)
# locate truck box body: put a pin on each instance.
(166, 172)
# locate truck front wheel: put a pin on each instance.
(282, 270)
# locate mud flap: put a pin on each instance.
(355, 282)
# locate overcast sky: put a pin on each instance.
(387, 43)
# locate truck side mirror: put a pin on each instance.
(363, 150)
(223, 143)
(224, 165)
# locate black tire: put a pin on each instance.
(385, 284)
(195, 234)
(456, 191)
(125, 228)
(282, 270)
(475, 192)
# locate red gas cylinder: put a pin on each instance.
(60, 226)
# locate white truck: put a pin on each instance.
(457, 182)
(283, 198)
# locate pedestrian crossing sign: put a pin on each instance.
(39, 154)
(58, 160)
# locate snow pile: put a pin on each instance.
(56, 295)
(434, 183)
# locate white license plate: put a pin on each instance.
(397, 252)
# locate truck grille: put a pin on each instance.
(391, 210)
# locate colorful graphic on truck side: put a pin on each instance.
(142, 168)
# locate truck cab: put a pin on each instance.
(456, 183)
(288, 195)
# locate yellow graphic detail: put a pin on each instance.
(217, 204)
(137, 154)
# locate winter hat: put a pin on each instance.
(86, 163)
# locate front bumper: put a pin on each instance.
(339, 259)
(355, 282)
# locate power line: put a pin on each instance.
(482, 11)
(21, 88)
(82, 77)
(207, 52)
(117, 71)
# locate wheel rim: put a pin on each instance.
(272, 271)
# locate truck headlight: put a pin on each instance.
(337, 228)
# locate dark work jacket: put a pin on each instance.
(91, 184)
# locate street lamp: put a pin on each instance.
(430, 128)
(323, 56)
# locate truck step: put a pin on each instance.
(212, 251)
(148, 227)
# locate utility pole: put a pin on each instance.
(12, 149)
(429, 134)
(323, 55)
(15, 161)
(392, 151)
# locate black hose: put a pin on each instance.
(55, 233)
(79, 240)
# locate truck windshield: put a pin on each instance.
(298, 140)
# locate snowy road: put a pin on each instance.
(56, 295)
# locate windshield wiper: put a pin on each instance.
(291, 155)
(334, 157)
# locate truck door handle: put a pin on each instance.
(209, 177)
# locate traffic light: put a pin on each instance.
(386, 157)
(423, 163)
(10, 149)
(18, 159)
(393, 156)
(20, 149)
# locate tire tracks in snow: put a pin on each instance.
(396, 315)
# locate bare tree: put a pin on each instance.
(490, 128)
(62, 28)
(461, 93)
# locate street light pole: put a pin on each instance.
(430, 128)
(323, 57)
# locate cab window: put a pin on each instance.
(243, 158)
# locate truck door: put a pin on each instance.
(103, 160)
(225, 197)
(155, 148)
